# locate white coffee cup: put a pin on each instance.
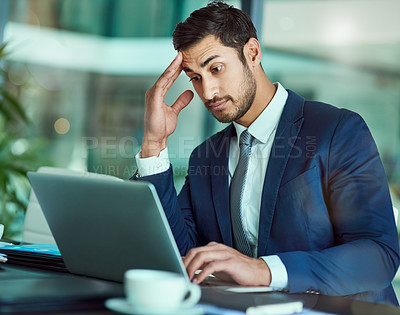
(155, 289)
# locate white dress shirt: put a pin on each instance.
(263, 130)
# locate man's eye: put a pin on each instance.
(216, 69)
(194, 79)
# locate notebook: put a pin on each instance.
(103, 227)
(44, 256)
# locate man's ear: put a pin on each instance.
(252, 52)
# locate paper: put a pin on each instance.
(250, 289)
(3, 258)
(215, 310)
(276, 309)
(312, 312)
(4, 243)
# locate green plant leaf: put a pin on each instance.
(3, 52)
(15, 110)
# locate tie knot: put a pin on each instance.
(245, 138)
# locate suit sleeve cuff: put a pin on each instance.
(279, 275)
(152, 165)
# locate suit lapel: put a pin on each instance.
(287, 131)
(219, 182)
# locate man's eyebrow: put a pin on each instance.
(209, 59)
(187, 69)
(203, 64)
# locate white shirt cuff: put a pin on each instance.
(279, 276)
(153, 164)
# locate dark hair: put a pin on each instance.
(231, 26)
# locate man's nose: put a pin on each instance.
(210, 88)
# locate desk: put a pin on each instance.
(30, 291)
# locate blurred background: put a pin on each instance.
(74, 74)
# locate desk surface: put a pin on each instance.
(31, 290)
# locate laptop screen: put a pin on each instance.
(104, 227)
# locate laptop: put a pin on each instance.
(104, 227)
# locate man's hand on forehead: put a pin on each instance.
(160, 118)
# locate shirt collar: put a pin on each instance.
(268, 120)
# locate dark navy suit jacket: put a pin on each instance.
(325, 210)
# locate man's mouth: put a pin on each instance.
(218, 105)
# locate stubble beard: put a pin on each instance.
(242, 105)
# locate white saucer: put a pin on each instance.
(120, 305)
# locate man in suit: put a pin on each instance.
(292, 194)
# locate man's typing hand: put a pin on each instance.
(226, 264)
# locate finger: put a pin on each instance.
(209, 269)
(174, 75)
(170, 74)
(193, 262)
(168, 83)
(173, 65)
(161, 87)
(192, 254)
(167, 78)
(195, 251)
(183, 100)
(203, 258)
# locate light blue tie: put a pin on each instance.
(240, 241)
